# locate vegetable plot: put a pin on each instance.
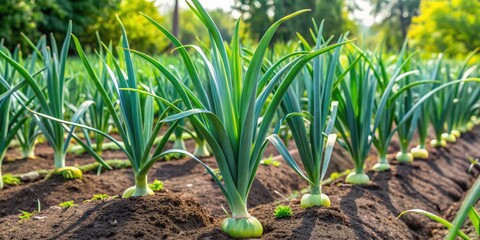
(238, 102)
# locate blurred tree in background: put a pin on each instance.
(333, 11)
(84, 15)
(260, 14)
(395, 19)
(432, 25)
(450, 26)
(142, 35)
(37, 17)
(257, 14)
(21, 16)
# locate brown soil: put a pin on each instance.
(184, 176)
(148, 217)
(361, 212)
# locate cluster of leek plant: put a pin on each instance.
(51, 102)
(360, 112)
(465, 101)
(356, 95)
(135, 119)
(394, 108)
(229, 114)
(446, 104)
(11, 118)
(315, 144)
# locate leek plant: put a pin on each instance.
(27, 136)
(405, 131)
(428, 72)
(168, 92)
(441, 106)
(98, 116)
(381, 139)
(315, 144)
(51, 102)
(358, 113)
(28, 133)
(228, 114)
(356, 99)
(135, 120)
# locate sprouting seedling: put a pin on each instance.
(25, 215)
(101, 197)
(282, 211)
(473, 162)
(270, 161)
(67, 204)
(9, 179)
(156, 186)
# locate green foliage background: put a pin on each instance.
(433, 26)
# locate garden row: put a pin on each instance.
(234, 102)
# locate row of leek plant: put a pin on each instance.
(451, 108)
(397, 102)
(465, 100)
(229, 113)
(361, 111)
(165, 89)
(405, 99)
(11, 118)
(135, 115)
(51, 102)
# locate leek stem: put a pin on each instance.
(29, 153)
(315, 189)
(383, 164)
(2, 156)
(201, 149)
(179, 144)
(141, 186)
(59, 159)
(240, 211)
(422, 145)
(99, 148)
(382, 158)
